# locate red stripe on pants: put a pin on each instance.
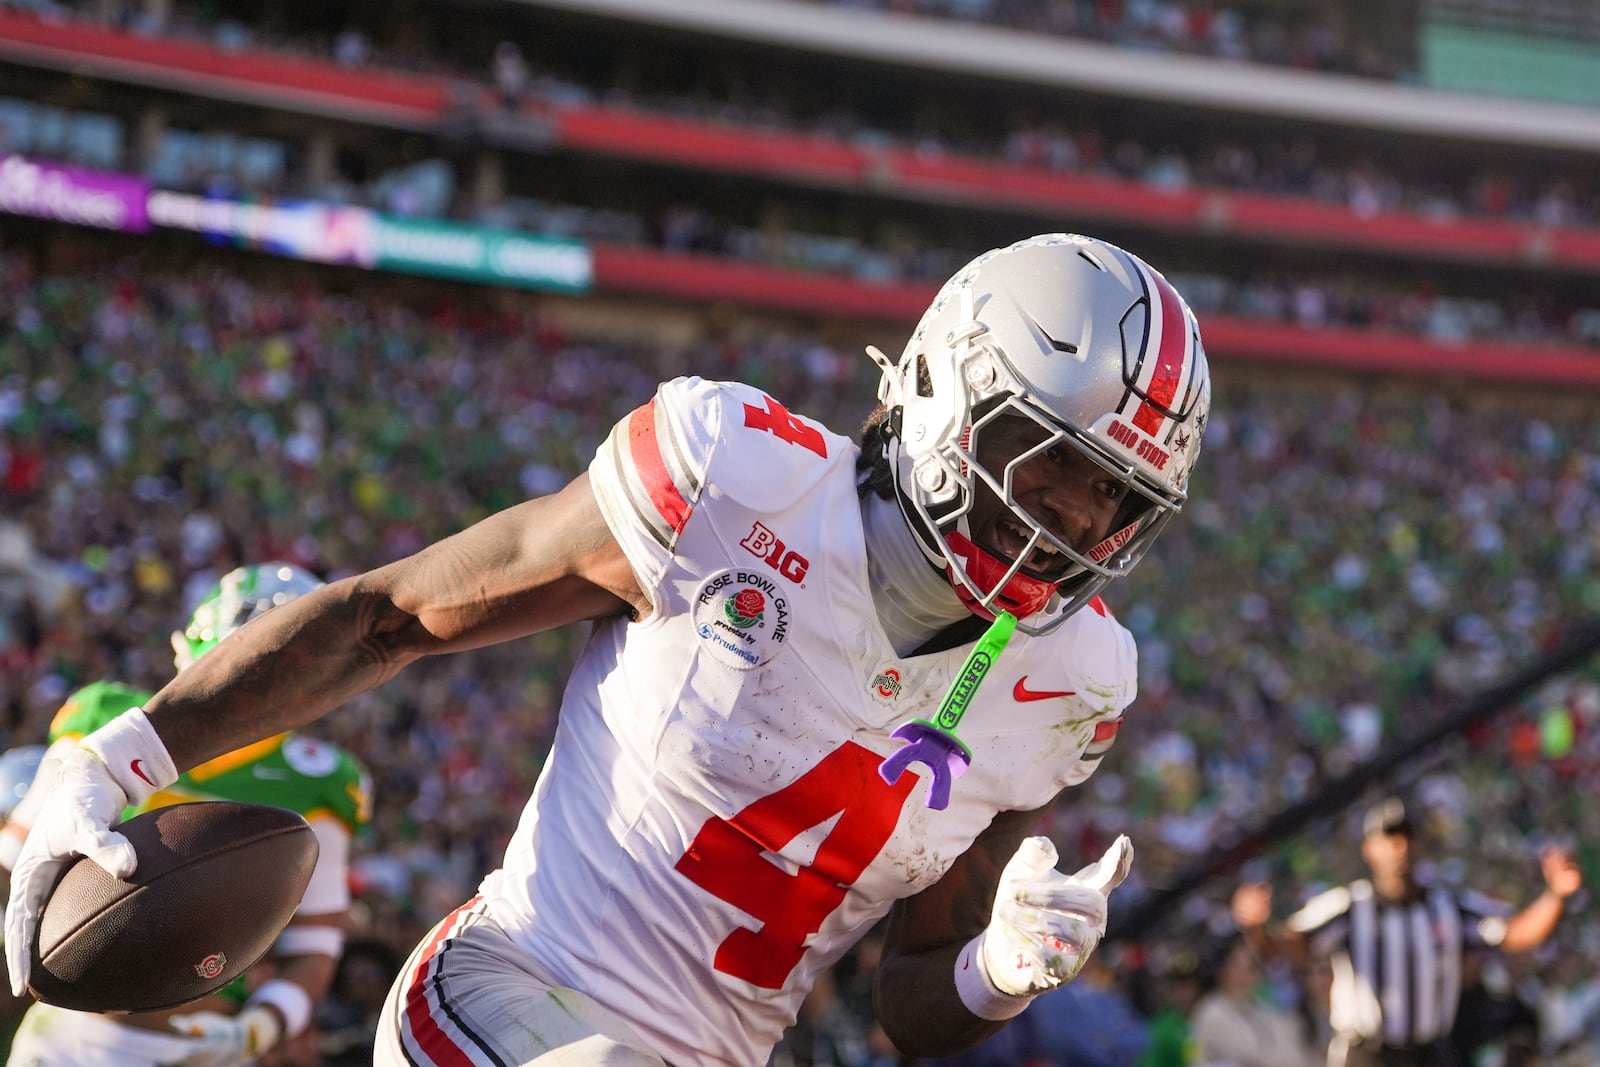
(429, 1037)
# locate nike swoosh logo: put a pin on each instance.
(143, 777)
(1022, 694)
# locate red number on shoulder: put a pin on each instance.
(785, 425)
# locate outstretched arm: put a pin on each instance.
(532, 567)
(1252, 914)
(1533, 925)
(529, 568)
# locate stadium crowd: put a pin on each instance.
(1065, 136)
(1359, 558)
(1298, 166)
(1249, 33)
(1312, 297)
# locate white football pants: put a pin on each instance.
(468, 997)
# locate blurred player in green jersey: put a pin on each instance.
(321, 782)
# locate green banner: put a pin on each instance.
(1504, 62)
(481, 254)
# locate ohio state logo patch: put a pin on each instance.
(211, 966)
(887, 683)
(741, 618)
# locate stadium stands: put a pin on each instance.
(1396, 505)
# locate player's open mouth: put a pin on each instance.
(1046, 561)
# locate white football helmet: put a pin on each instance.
(1095, 347)
(239, 596)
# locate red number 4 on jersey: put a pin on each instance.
(726, 859)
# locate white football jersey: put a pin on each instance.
(711, 830)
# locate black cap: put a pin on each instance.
(1387, 816)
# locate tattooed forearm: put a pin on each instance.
(541, 564)
(281, 671)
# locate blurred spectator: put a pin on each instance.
(351, 48)
(510, 74)
(1089, 1022)
(1233, 1025)
(1175, 986)
(1495, 1023)
(1569, 1012)
(347, 1018)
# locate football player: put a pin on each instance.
(825, 683)
(321, 782)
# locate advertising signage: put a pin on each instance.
(299, 229)
(77, 195)
(357, 236)
(481, 254)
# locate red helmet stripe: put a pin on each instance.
(1172, 358)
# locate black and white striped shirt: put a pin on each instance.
(1397, 965)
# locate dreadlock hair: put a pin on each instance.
(874, 472)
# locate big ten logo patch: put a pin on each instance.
(741, 618)
(764, 544)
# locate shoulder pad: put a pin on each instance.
(346, 789)
(694, 432)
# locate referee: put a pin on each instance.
(1395, 944)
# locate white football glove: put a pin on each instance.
(120, 764)
(227, 1040)
(75, 819)
(1045, 924)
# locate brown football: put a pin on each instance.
(217, 882)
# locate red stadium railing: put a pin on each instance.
(392, 97)
(946, 177)
(291, 82)
(1386, 352)
(976, 181)
(710, 279)
(620, 132)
